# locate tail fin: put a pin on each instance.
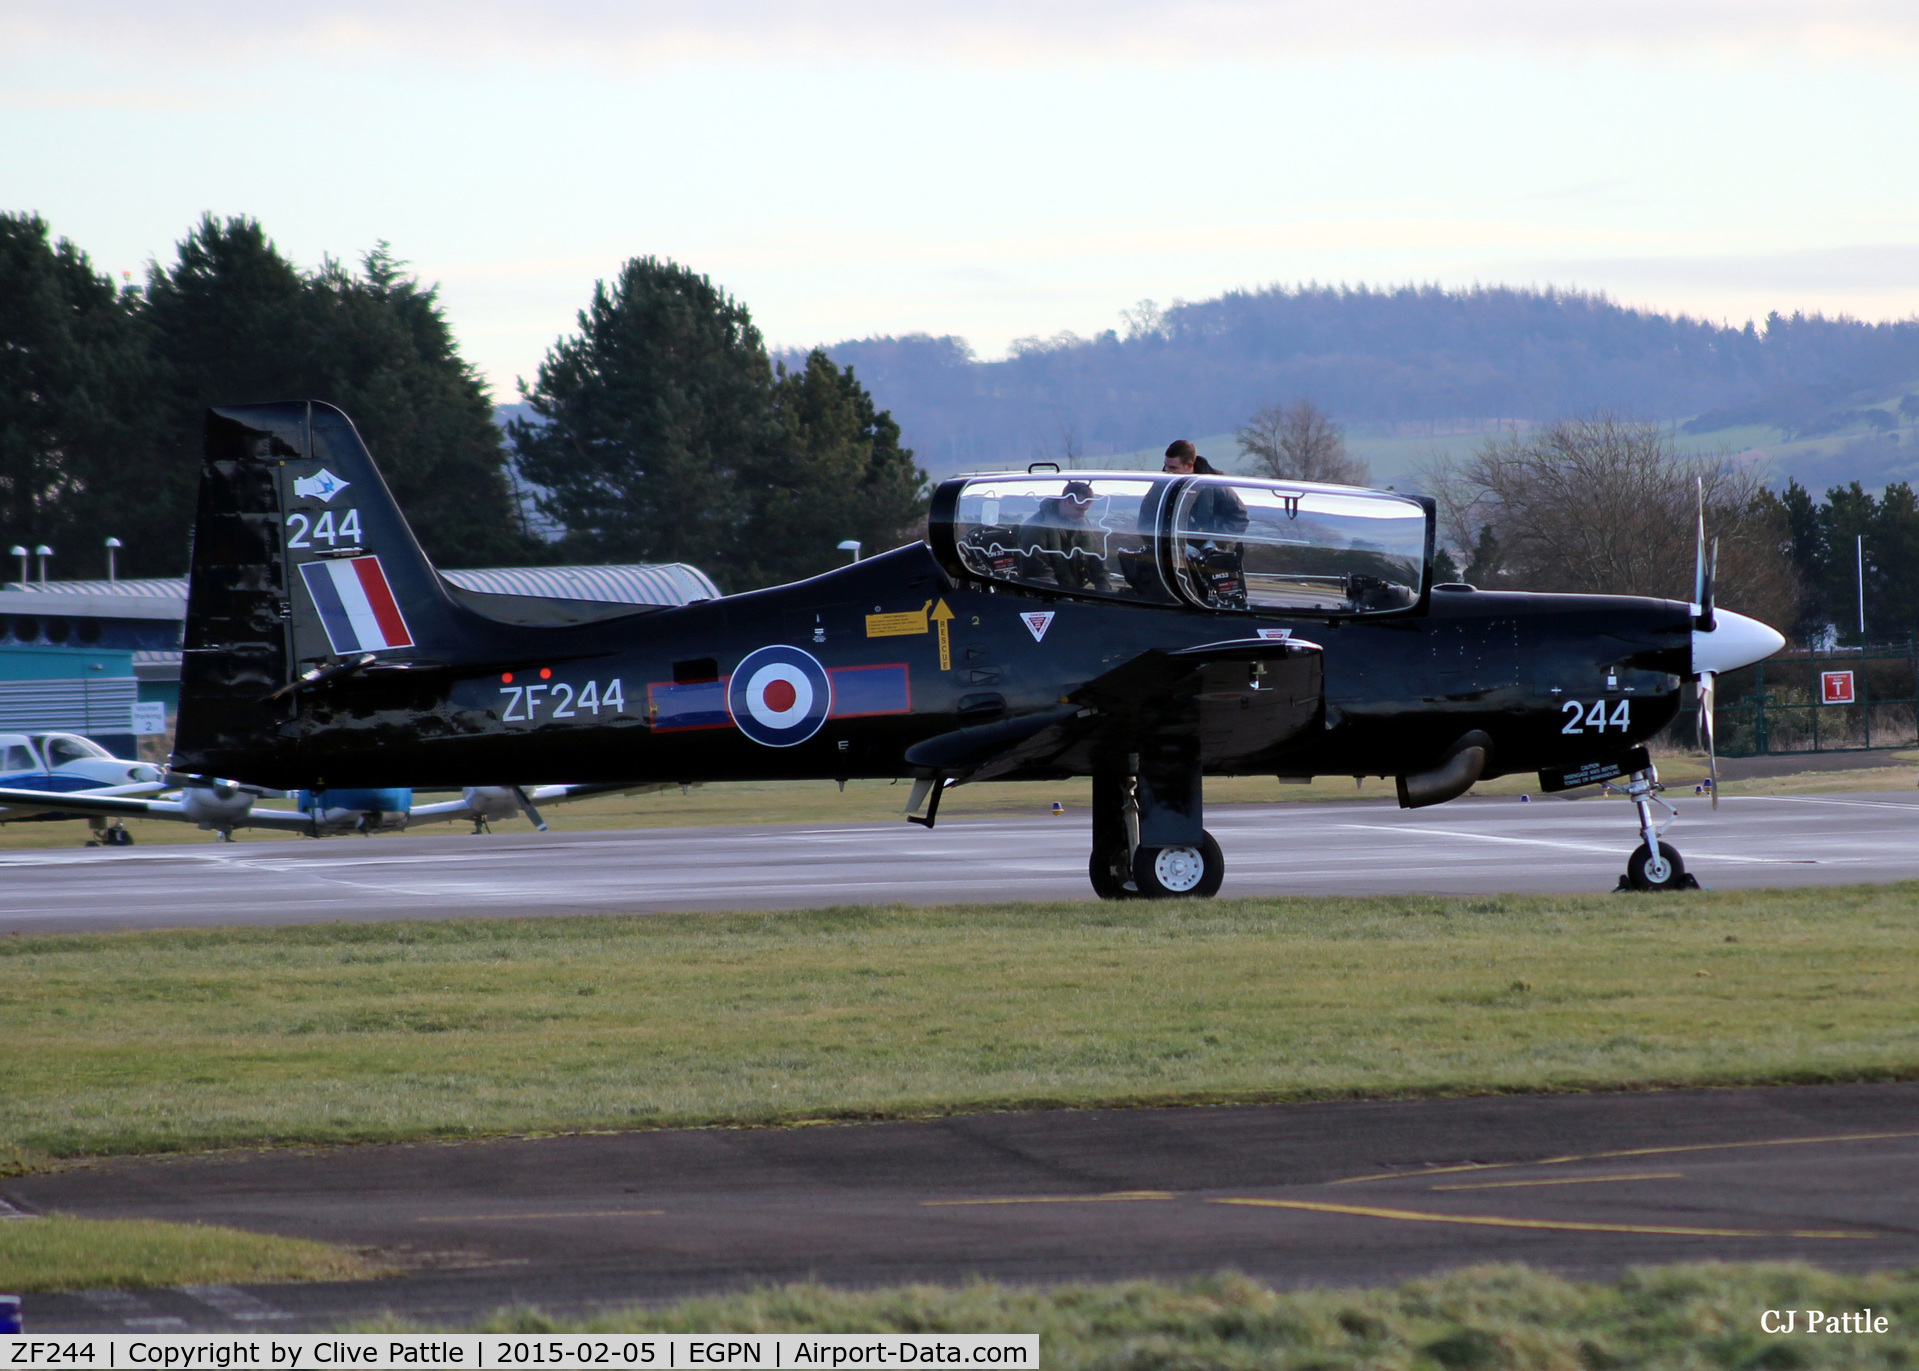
(301, 558)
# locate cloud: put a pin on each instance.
(990, 31)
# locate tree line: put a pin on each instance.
(1601, 505)
(1376, 356)
(663, 430)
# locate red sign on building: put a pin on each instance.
(1835, 687)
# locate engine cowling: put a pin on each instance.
(217, 806)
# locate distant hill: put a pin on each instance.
(1395, 362)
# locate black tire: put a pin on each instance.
(1175, 873)
(1111, 874)
(119, 837)
(1674, 877)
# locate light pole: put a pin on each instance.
(1859, 565)
(43, 552)
(20, 552)
(851, 545)
(113, 546)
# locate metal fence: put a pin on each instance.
(1845, 700)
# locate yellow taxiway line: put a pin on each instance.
(1626, 1152)
(1110, 1197)
(1563, 1180)
(1557, 1225)
(570, 1214)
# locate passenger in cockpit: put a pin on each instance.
(1060, 539)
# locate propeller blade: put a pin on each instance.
(1707, 697)
(526, 808)
(1704, 571)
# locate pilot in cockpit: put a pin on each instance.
(1216, 509)
(1060, 539)
(1212, 521)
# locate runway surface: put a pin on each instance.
(1371, 847)
(1349, 1193)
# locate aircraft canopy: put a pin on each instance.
(1212, 542)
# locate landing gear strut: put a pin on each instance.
(1148, 842)
(1654, 865)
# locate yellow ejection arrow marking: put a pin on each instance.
(944, 617)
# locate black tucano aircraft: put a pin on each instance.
(1144, 630)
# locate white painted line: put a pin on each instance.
(1575, 847)
(235, 1303)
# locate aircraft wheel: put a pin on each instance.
(1112, 874)
(1166, 873)
(1668, 873)
(118, 837)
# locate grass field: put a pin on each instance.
(201, 1038)
(774, 802)
(1681, 1318)
(60, 1252)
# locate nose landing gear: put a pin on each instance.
(1148, 843)
(1654, 865)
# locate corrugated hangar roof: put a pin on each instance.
(154, 588)
(663, 583)
(666, 583)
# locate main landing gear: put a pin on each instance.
(114, 835)
(1147, 839)
(1654, 865)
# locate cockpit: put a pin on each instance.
(1211, 542)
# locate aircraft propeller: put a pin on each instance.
(1705, 570)
(521, 798)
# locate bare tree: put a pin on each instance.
(1603, 505)
(1299, 442)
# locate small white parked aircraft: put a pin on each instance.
(50, 776)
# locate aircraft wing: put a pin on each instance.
(1150, 684)
(109, 804)
(123, 802)
(466, 808)
(1153, 675)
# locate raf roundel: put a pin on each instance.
(779, 696)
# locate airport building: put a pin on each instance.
(84, 656)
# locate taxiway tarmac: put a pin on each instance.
(1329, 1194)
(1371, 847)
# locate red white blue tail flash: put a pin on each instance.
(779, 696)
(356, 605)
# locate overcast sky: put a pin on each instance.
(985, 167)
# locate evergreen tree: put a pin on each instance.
(1807, 548)
(74, 437)
(838, 472)
(647, 418)
(1486, 560)
(1850, 512)
(665, 435)
(1893, 547)
(237, 323)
